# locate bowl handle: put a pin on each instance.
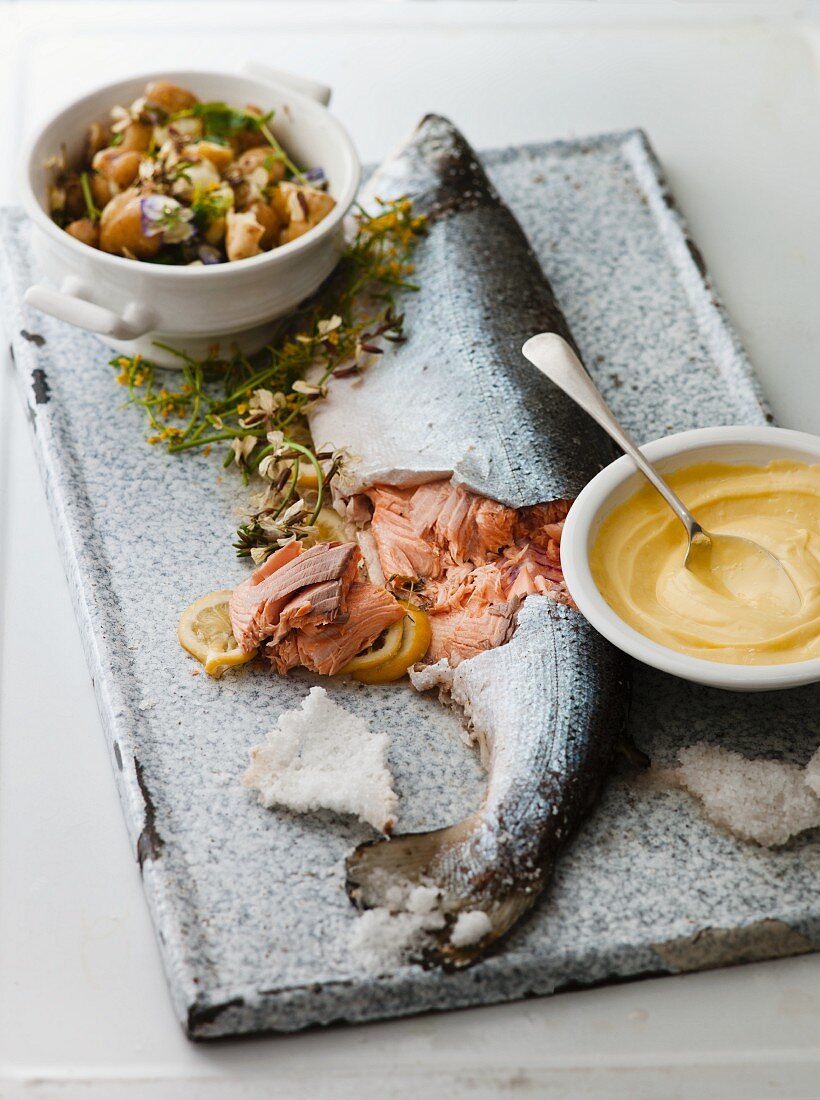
(267, 73)
(70, 304)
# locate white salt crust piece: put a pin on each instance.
(470, 927)
(383, 941)
(389, 935)
(427, 677)
(765, 801)
(321, 757)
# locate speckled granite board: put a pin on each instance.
(249, 905)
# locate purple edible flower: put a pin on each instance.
(162, 215)
(209, 255)
(316, 176)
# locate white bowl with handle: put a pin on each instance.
(615, 484)
(131, 304)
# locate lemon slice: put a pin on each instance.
(330, 527)
(387, 645)
(307, 478)
(205, 631)
(414, 644)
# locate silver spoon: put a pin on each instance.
(727, 563)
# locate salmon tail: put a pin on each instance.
(476, 906)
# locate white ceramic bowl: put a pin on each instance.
(130, 304)
(619, 481)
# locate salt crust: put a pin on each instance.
(323, 757)
(390, 935)
(764, 801)
(470, 927)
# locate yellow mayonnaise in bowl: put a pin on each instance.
(622, 556)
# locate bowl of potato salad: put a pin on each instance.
(186, 208)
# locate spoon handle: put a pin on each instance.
(556, 359)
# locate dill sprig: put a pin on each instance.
(256, 406)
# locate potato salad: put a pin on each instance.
(174, 180)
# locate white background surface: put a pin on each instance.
(729, 96)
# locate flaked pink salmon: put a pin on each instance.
(326, 648)
(302, 586)
(311, 608)
(468, 561)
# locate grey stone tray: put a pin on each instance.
(249, 905)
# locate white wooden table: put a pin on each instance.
(729, 95)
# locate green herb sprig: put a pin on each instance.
(256, 406)
(90, 206)
(221, 123)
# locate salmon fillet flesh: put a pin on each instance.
(469, 561)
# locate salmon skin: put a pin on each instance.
(457, 400)
(544, 710)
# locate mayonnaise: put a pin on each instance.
(637, 562)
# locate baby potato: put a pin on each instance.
(261, 156)
(245, 139)
(242, 235)
(220, 156)
(85, 230)
(271, 223)
(101, 190)
(73, 198)
(121, 228)
(97, 138)
(305, 207)
(118, 166)
(136, 136)
(169, 97)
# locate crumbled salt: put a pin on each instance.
(422, 899)
(765, 801)
(323, 757)
(427, 677)
(382, 940)
(470, 927)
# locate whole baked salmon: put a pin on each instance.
(457, 401)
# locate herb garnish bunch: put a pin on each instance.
(256, 407)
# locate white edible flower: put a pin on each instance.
(271, 525)
(199, 176)
(242, 448)
(266, 401)
(120, 118)
(267, 467)
(330, 325)
(308, 389)
(276, 440)
(292, 512)
(259, 554)
(186, 128)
